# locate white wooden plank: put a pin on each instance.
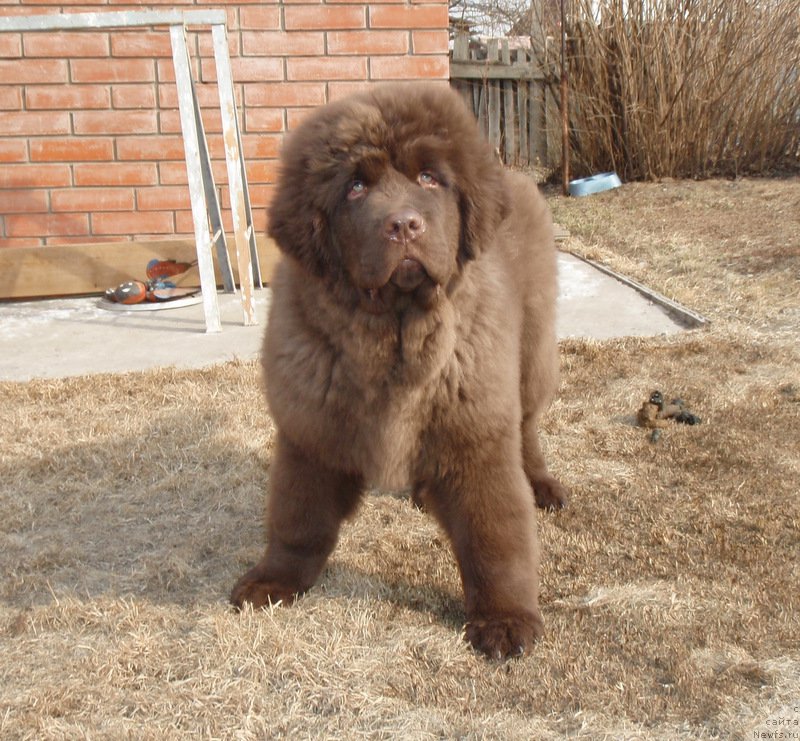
(183, 81)
(113, 19)
(233, 161)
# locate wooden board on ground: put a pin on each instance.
(73, 270)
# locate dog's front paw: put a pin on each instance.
(549, 492)
(505, 636)
(257, 590)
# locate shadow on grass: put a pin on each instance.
(170, 511)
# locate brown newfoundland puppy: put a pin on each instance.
(410, 342)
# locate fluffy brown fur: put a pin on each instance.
(410, 342)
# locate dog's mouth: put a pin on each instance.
(408, 275)
(408, 283)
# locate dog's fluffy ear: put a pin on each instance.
(483, 200)
(296, 217)
(300, 231)
(481, 183)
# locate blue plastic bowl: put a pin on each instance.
(594, 184)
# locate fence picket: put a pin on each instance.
(510, 121)
(506, 89)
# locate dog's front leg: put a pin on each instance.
(488, 512)
(305, 507)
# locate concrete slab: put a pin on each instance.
(72, 337)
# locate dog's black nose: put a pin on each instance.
(404, 226)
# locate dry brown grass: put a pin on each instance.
(130, 503)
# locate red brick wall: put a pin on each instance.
(90, 144)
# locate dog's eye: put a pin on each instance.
(356, 189)
(427, 179)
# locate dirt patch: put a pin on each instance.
(130, 503)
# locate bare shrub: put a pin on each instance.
(684, 88)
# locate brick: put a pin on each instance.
(93, 199)
(322, 17)
(216, 146)
(281, 95)
(153, 237)
(267, 18)
(10, 45)
(207, 95)
(263, 119)
(121, 174)
(23, 201)
(247, 69)
(260, 196)
(341, 89)
(34, 123)
(368, 42)
(10, 98)
(13, 150)
(154, 148)
(326, 68)
(155, 3)
(34, 176)
(139, 43)
(275, 43)
(430, 42)
(174, 173)
(408, 16)
(74, 149)
(409, 68)
(154, 222)
(221, 3)
(134, 96)
(165, 71)
(66, 44)
(112, 70)
(261, 147)
(205, 45)
(163, 198)
(21, 242)
(88, 239)
(15, 9)
(33, 71)
(62, 2)
(42, 225)
(170, 121)
(67, 97)
(294, 116)
(114, 122)
(260, 220)
(184, 224)
(265, 171)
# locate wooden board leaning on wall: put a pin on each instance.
(85, 269)
(82, 269)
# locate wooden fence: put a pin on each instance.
(507, 91)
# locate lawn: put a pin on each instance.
(131, 503)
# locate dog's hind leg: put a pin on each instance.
(539, 380)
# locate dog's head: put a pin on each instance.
(393, 190)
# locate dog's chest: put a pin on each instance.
(362, 398)
(388, 438)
